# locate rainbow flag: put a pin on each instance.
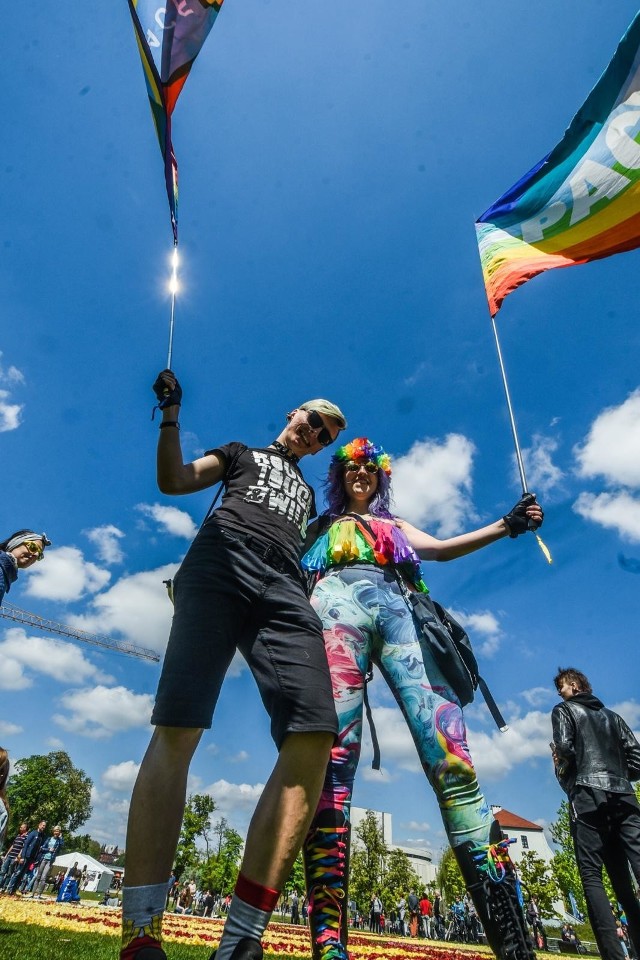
(170, 36)
(582, 201)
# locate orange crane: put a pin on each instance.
(10, 612)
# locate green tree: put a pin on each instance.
(196, 823)
(367, 861)
(220, 872)
(448, 878)
(296, 880)
(399, 878)
(49, 787)
(538, 880)
(563, 865)
(82, 843)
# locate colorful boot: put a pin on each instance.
(326, 854)
(492, 882)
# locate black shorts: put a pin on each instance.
(236, 591)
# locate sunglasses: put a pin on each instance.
(316, 422)
(353, 467)
(35, 549)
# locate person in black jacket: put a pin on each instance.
(596, 756)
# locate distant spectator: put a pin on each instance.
(27, 859)
(295, 907)
(11, 856)
(4, 805)
(19, 552)
(49, 850)
(69, 891)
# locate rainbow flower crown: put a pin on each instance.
(362, 449)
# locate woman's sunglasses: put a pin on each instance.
(353, 467)
(316, 422)
(35, 549)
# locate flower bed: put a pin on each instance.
(279, 938)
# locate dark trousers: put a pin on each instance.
(609, 837)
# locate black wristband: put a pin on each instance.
(169, 423)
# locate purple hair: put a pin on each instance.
(358, 450)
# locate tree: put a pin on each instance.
(564, 866)
(448, 878)
(399, 878)
(49, 787)
(297, 880)
(83, 843)
(538, 880)
(196, 822)
(220, 872)
(367, 861)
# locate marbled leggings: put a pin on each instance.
(365, 617)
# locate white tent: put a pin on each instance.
(99, 875)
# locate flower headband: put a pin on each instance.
(362, 449)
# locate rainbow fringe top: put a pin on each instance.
(346, 542)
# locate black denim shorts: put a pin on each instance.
(236, 591)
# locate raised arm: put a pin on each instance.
(514, 523)
(174, 475)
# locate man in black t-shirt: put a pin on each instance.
(239, 587)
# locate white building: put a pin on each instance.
(527, 835)
(421, 859)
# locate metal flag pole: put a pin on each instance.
(512, 419)
(514, 431)
(173, 287)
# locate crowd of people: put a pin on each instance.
(28, 861)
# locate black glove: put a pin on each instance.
(166, 396)
(517, 520)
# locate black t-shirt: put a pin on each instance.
(265, 494)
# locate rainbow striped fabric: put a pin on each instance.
(170, 36)
(582, 201)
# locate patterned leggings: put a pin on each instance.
(365, 617)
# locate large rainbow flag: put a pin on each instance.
(582, 201)
(170, 36)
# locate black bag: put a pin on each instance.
(449, 644)
(451, 649)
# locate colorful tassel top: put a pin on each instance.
(347, 542)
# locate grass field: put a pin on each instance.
(44, 930)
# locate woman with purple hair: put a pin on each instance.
(358, 552)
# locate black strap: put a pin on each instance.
(375, 763)
(223, 483)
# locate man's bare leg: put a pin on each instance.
(277, 829)
(155, 818)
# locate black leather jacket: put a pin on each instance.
(594, 746)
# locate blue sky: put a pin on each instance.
(332, 163)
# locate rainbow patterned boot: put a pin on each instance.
(326, 852)
(493, 884)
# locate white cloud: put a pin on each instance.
(432, 483)
(616, 511)
(176, 522)
(542, 474)
(629, 710)
(65, 575)
(10, 413)
(136, 606)
(10, 374)
(496, 754)
(239, 757)
(23, 655)
(539, 696)
(106, 539)
(55, 743)
(483, 629)
(612, 447)
(9, 729)
(102, 711)
(121, 776)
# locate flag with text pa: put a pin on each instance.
(170, 36)
(582, 201)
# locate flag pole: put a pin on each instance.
(514, 431)
(173, 286)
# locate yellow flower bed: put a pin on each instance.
(197, 931)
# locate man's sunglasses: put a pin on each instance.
(35, 549)
(316, 422)
(353, 467)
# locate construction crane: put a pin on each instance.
(10, 612)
